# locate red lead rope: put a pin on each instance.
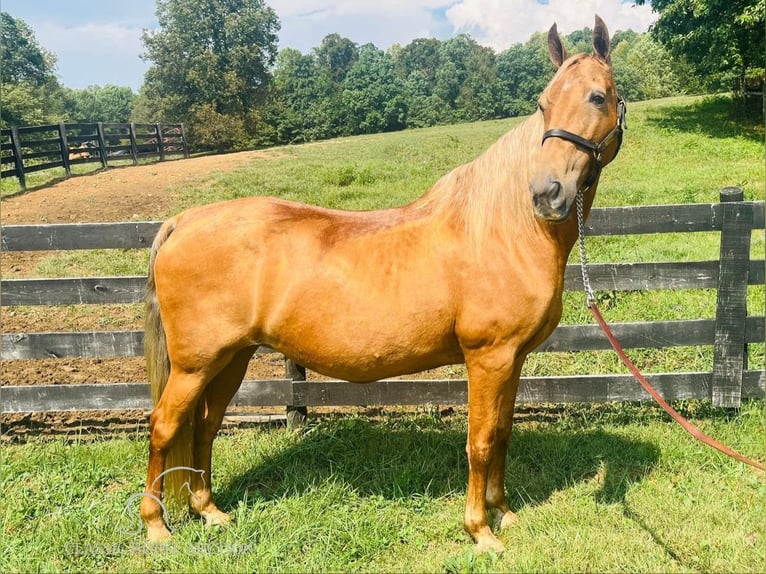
(688, 427)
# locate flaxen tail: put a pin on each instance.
(180, 455)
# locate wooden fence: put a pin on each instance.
(729, 332)
(35, 148)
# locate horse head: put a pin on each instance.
(583, 121)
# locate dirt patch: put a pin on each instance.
(143, 192)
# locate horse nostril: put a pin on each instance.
(549, 197)
(553, 190)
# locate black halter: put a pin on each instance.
(595, 148)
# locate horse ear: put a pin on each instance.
(556, 49)
(601, 44)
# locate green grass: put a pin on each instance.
(596, 489)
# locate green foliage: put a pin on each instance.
(216, 61)
(341, 89)
(720, 38)
(210, 56)
(645, 70)
(24, 60)
(29, 91)
(22, 104)
(211, 130)
(373, 95)
(336, 55)
(523, 71)
(99, 104)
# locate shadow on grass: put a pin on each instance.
(403, 459)
(713, 116)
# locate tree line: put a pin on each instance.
(215, 66)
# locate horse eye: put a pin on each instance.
(597, 99)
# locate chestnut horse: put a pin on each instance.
(471, 272)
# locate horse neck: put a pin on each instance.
(488, 197)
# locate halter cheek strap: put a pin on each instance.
(595, 148)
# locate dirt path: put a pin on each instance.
(143, 192)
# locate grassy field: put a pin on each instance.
(607, 488)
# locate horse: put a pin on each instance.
(472, 271)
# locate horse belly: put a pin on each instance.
(364, 328)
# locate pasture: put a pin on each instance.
(596, 488)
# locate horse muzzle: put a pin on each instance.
(551, 201)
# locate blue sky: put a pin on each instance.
(99, 43)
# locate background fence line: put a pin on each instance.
(36, 148)
(729, 332)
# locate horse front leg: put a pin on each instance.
(489, 388)
(496, 498)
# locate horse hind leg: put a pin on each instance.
(170, 445)
(209, 415)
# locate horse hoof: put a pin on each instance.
(508, 520)
(157, 534)
(489, 542)
(217, 518)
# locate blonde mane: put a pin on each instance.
(489, 197)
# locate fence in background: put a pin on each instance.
(729, 332)
(35, 148)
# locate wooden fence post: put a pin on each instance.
(730, 351)
(183, 140)
(64, 146)
(160, 143)
(17, 158)
(101, 143)
(133, 144)
(295, 414)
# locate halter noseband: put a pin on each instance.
(595, 148)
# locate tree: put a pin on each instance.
(724, 40)
(523, 72)
(24, 60)
(422, 56)
(100, 104)
(29, 90)
(210, 55)
(373, 95)
(643, 70)
(299, 90)
(336, 55)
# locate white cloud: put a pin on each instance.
(341, 8)
(108, 53)
(496, 23)
(381, 22)
(500, 23)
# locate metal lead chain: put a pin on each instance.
(589, 295)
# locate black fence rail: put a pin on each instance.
(728, 333)
(25, 150)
